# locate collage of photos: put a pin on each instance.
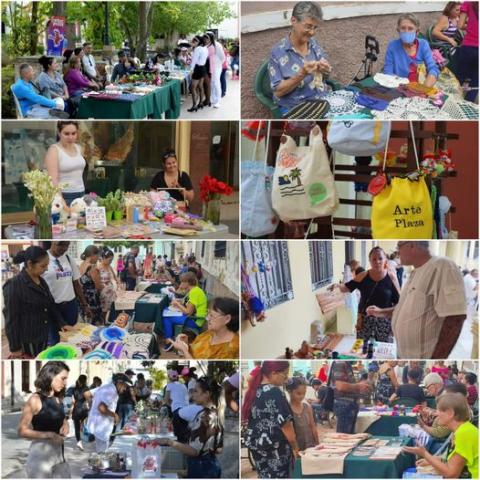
(239, 239)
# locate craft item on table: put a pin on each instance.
(114, 334)
(342, 102)
(406, 92)
(126, 300)
(122, 320)
(386, 453)
(98, 354)
(59, 209)
(180, 232)
(314, 461)
(375, 442)
(415, 108)
(305, 351)
(328, 341)
(363, 451)
(384, 351)
(419, 88)
(307, 110)
(392, 81)
(96, 335)
(139, 341)
(457, 109)
(330, 301)
(414, 431)
(60, 351)
(185, 224)
(371, 102)
(114, 348)
(334, 436)
(381, 92)
(172, 312)
(86, 346)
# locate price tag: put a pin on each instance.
(95, 218)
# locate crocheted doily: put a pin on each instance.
(457, 108)
(391, 81)
(342, 102)
(415, 108)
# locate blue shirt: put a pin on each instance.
(28, 97)
(285, 62)
(397, 61)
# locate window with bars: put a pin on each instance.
(268, 266)
(321, 263)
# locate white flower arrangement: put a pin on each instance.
(42, 189)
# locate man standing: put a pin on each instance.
(102, 416)
(130, 272)
(428, 318)
(346, 392)
(88, 62)
(126, 400)
(62, 278)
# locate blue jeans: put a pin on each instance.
(346, 411)
(70, 197)
(170, 322)
(223, 81)
(205, 466)
(124, 411)
(69, 313)
(468, 68)
(131, 283)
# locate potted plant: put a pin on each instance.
(107, 203)
(118, 204)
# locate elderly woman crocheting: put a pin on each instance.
(297, 62)
(408, 51)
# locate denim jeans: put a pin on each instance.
(69, 313)
(170, 322)
(124, 410)
(205, 466)
(468, 68)
(346, 411)
(223, 81)
(131, 283)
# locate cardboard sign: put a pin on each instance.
(95, 218)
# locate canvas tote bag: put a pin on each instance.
(303, 184)
(403, 209)
(258, 217)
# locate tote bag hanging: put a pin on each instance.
(303, 184)
(358, 138)
(258, 217)
(403, 209)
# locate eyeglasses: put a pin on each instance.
(214, 317)
(308, 27)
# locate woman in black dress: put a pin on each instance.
(270, 434)
(377, 286)
(80, 407)
(171, 179)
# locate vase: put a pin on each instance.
(109, 215)
(118, 214)
(212, 210)
(43, 224)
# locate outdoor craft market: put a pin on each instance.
(80, 180)
(71, 300)
(122, 419)
(363, 419)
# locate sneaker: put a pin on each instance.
(80, 445)
(168, 347)
(217, 105)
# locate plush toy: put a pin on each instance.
(59, 210)
(77, 208)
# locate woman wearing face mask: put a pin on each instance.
(269, 418)
(65, 163)
(376, 285)
(405, 53)
(43, 422)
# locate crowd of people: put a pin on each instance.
(425, 314)
(298, 67)
(51, 293)
(57, 89)
(195, 404)
(278, 427)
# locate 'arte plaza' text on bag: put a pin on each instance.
(407, 213)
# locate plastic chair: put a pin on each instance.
(263, 90)
(444, 47)
(18, 108)
(407, 401)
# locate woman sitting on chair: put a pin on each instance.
(297, 62)
(405, 53)
(446, 29)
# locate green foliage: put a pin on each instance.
(8, 106)
(114, 201)
(159, 378)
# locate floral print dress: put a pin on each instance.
(92, 298)
(264, 437)
(108, 294)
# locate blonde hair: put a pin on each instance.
(456, 402)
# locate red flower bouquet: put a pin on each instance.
(211, 188)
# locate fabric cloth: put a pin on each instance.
(371, 102)
(264, 437)
(465, 441)
(285, 62)
(70, 197)
(70, 169)
(46, 460)
(62, 272)
(472, 394)
(389, 80)
(433, 292)
(99, 425)
(29, 310)
(309, 110)
(76, 81)
(303, 429)
(314, 463)
(51, 87)
(471, 35)
(178, 395)
(183, 181)
(28, 97)
(189, 412)
(411, 391)
(397, 61)
(202, 347)
(381, 92)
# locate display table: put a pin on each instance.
(382, 425)
(163, 100)
(151, 286)
(149, 309)
(153, 230)
(364, 467)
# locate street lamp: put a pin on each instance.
(106, 37)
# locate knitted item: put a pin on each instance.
(416, 87)
(458, 109)
(307, 110)
(342, 102)
(415, 108)
(383, 93)
(391, 81)
(371, 103)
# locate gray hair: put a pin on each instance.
(424, 244)
(304, 10)
(411, 17)
(23, 67)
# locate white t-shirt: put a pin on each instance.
(98, 424)
(178, 394)
(189, 413)
(470, 285)
(89, 65)
(60, 276)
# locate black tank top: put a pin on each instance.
(50, 417)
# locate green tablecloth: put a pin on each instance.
(151, 312)
(165, 99)
(363, 467)
(155, 287)
(387, 426)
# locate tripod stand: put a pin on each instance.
(372, 50)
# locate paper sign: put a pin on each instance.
(95, 218)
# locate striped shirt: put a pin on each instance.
(433, 292)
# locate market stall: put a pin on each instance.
(376, 457)
(383, 420)
(133, 100)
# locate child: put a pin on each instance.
(303, 421)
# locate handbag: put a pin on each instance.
(258, 217)
(359, 139)
(303, 184)
(403, 208)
